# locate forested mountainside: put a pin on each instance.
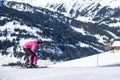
(79, 32)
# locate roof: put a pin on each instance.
(116, 43)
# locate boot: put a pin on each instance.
(26, 63)
(30, 65)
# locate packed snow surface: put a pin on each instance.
(107, 67)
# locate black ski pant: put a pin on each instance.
(28, 53)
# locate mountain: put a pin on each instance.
(91, 10)
(71, 29)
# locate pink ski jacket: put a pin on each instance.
(32, 45)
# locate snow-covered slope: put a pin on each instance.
(43, 3)
(11, 59)
(103, 59)
(71, 70)
(83, 10)
(11, 29)
(104, 73)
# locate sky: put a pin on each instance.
(87, 68)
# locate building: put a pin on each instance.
(116, 46)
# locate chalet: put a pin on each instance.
(116, 46)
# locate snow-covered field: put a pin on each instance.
(95, 73)
(107, 68)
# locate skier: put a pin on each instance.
(30, 53)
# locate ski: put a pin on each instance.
(19, 65)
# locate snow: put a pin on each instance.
(85, 19)
(114, 24)
(105, 66)
(74, 5)
(80, 30)
(103, 59)
(112, 34)
(116, 44)
(84, 3)
(10, 29)
(11, 26)
(111, 3)
(106, 73)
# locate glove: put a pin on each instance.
(39, 53)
